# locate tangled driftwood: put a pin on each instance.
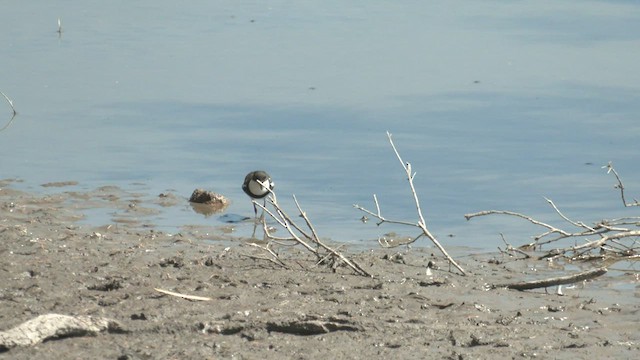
(608, 239)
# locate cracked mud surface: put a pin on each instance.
(50, 264)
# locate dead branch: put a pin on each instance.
(55, 326)
(603, 236)
(510, 249)
(308, 238)
(552, 229)
(184, 296)
(562, 280)
(284, 221)
(577, 224)
(273, 256)
(421, 224)
(598, 243)
(620, 185)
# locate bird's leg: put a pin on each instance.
(264, 204)
(258, 220)
(255, 227)
(265, 235)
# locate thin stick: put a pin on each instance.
(306, 219)
(422, 225)
(410, 176)
(509, 247)
(620, 185)
(286, 222)
(387, 245)
(352, 264)
(313, 235)
(283, 216)
(628, 220)
(562, 280)
(274, 257)
(184, 296)
(604, 239)
(382, 218)
(375, 199)
(528, 218)
(574, 223)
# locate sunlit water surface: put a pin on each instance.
(495, 104)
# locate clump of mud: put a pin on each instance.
(208, 202)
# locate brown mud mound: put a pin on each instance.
(50, 265)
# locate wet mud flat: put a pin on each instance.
(252, 308)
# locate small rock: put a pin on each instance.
(207, 202)
(201, 196)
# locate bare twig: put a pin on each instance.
(620, 185)
(379, 216)
(306, 219)
(562, 280)
(510, 248)
(274, 256)
(282, 220)
(385, 243)
(324, 246)
(184, 296)
(306, 238)
(604, 239)
(421, 224)
(574, 223)
(552, 229)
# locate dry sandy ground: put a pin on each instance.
(50, 264)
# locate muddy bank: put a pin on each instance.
(51, 264)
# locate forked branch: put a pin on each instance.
(308, 238)
(620, 185)
(421, 224)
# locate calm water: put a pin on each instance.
(496, 104)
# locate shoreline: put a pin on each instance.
(52, 265)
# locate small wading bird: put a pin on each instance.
(255, 185)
